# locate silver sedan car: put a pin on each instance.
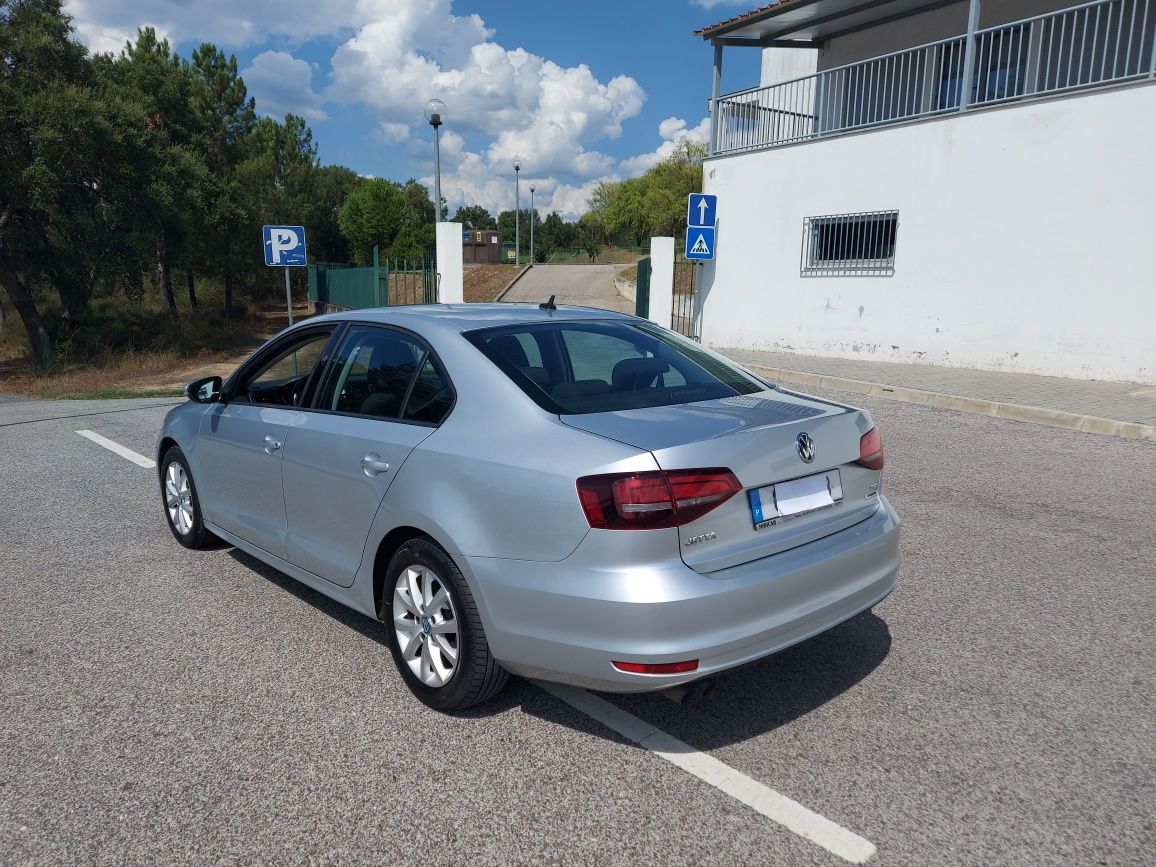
(553, 492)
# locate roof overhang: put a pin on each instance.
(810, 23)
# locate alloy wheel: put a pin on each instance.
(426, 625)
(179, 498)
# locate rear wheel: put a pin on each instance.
(435, 633)
(182, 506)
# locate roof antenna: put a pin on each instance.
(549, 305)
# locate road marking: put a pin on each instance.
(776, 807)
(117, 448)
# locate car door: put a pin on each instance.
(240, 442)
(383, 393)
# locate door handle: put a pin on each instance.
(374, 465)
(272, 444)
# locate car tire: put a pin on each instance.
(181, 504)
(434, 630)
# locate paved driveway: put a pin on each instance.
(163, 706)
(583, 285)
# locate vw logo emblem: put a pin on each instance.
(806, 447)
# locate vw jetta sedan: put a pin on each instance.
(553, 492)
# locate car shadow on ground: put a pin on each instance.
(743, 704)
(753, 700)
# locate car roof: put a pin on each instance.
(467, 317)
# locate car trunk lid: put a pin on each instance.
(756, 437)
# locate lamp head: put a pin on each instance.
(517, 165)
(435, 112)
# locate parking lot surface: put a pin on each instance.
(165, 706)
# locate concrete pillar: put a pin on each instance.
(661, 280)
(449, 247)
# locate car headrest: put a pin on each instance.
(508, 347)
(632, 374)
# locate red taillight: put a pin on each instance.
(657, 667)
(871, 449)
(654, 500)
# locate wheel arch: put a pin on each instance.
(386, 548)
(163, 446)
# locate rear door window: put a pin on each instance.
(384, 373)
(604, 366)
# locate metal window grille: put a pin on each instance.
(850, 245)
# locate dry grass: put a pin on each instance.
(485, 282)
(129, 372)
(117, 373)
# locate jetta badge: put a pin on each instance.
(806, 447)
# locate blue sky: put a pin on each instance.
(579, 91)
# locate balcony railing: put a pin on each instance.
(1093, 44)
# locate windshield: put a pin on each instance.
(605, 366)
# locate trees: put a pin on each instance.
(50, 131)
(653, 203)
(476, 218)
(397, 218)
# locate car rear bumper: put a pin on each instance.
(568, 621)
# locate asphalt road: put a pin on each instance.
(583, 285)
(164, 706)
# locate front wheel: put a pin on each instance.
(182, 506)
(435, 633)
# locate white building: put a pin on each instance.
(940, 182)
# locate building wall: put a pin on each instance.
(786, 64)
(927, 27)
(1024, 243)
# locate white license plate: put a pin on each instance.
(774, 503)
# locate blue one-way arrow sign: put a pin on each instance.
(701, 210)
(699, 243)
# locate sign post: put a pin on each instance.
(701, 222)
(285, 247)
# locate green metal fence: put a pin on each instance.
(386, 283)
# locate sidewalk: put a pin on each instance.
(1115, 408)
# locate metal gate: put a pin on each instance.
(642, 289)
(684, 309)
(386, 283)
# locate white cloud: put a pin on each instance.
(710, 4)
(535, 109)
(282, 84)
(670, 131)
(105, 25)
(392, 55)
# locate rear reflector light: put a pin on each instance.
(654, 500)
(657, 667)
(871, 449)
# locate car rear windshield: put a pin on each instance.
(575, 367)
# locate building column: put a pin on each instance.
(969, 55)
(661, 281)
(449, 264)
(716, 83)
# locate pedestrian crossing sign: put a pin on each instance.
(700, 243)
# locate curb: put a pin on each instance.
(1013, 411)
(510, 285)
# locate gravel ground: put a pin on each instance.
(165, 706)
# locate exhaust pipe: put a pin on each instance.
(685, 693)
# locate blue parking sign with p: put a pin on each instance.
(284, 246)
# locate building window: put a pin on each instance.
(850, 245)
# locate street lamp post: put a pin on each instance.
(435, 113)
(532, 215)
(517, 213)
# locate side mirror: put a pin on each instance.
(204, 390)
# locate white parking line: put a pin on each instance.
(117, 448)
(779, 808)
